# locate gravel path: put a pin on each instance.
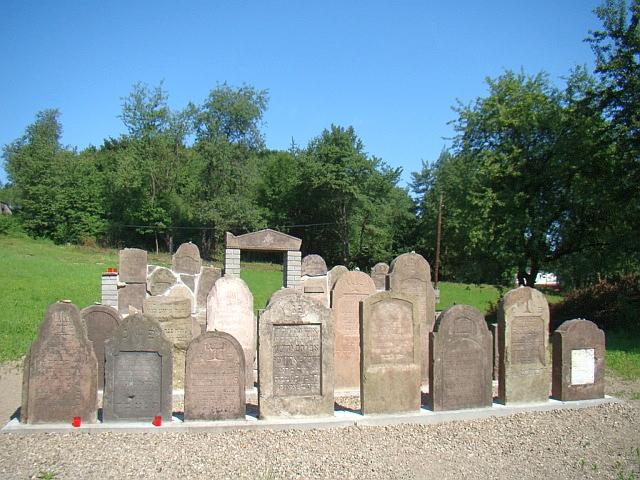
(595, 442)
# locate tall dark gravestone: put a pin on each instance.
(137, 372)
(391, 364)
(214, 386)
(461, 360)
(578, 361)
(411, 273)
(523, 342)
(100, 322)
(295, 358)
(60, 379)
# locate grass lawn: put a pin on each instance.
(35, 274)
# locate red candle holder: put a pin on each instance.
(157, 421)
(77, 421)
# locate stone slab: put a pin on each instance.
(350, 289)
(101, 322)
(60, 377)
(132, 265)
(390, 353)
(461, 367)
(523, 335)
(578, 361)
(187, 259)
(214, 380)
(160, 280)
(138, 372)
(296, 359)
(268, 239)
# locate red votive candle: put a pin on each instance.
(157, 421)
(77, 421)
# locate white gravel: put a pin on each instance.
(594, 442)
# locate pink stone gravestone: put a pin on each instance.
(350, 289)
(230, 310)
(214, 387)
(578, 361)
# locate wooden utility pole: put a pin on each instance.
(439, 238)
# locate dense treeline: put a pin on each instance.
(537, 177)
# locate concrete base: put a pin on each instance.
(342, 418)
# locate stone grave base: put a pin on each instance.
(341, 418)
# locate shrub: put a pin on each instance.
(610, 305)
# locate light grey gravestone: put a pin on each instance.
(60, 379)
(187, 259)
(578, 361)
(167, 308)
(282, 293)
(230, 310)
(101, 322)
(214, 387)
(379, 275)
(138, 366)
(334, 274)
(350, 289)
(313, 266)
(391, 353)
(189, 281)
(296, 359)
(207, 278)
(461, 360)
(132, 265)
(182, 292)
(523, 337)
(174, 315)
(160, 280)
(316, 288)
(410, 273)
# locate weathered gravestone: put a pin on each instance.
(182, 292)
(350, 289)
(187, 259)
(132, 265)
(461, 360)
(314, 279)
(60, 379)
(160, 280)
(313, 266)
(410, 273)
(208, 277)
(101, 322)
(214, 387)
(138, 368)
(131, 295)
(283, 292)
(230, 309)
(334, 274)
(578, 361)
(174, 315)
(523, 340)
(296, 359)
(166, 308)
(379, 275)
(391, 361)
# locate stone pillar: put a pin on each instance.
(292, 271)
(232, 262)
(110, 289)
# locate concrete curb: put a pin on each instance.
(342, 418)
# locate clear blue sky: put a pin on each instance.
(390, 69)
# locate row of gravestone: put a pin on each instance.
(296, 359)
